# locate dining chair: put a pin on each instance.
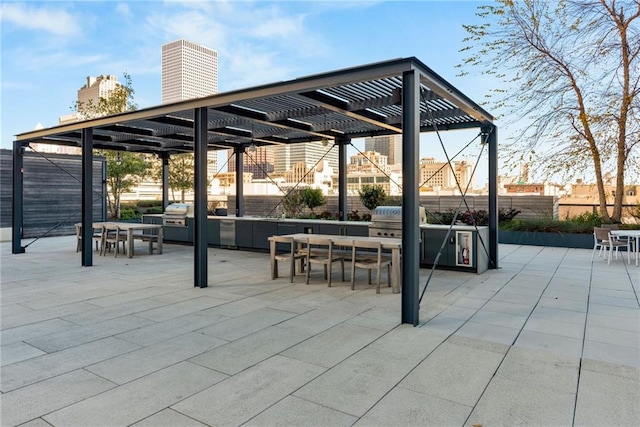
(321, 251)
(97, 236)
(112, 236)
(604, 239)
(372, 258)
(290, 255)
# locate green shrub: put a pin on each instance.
(129, 214)
(312, 198)
(372, 196)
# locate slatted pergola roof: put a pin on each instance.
(351, 103)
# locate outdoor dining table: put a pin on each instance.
(390, 243)
(633, 235)
(130, 227)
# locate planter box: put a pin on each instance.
(562, 240)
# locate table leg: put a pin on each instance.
(130, 242)
(272, 253)
(395, 270)
(160, 240)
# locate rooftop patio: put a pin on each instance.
(548, 339)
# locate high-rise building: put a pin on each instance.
(389, 145)
(434, 173)
(259, 162)
(190, 70)
(310, 153)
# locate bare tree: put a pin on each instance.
(572, 72)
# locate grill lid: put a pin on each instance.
(179, 209)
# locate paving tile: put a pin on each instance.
(106, 313)
(607, 400)
(467, 374)
(127, 367)
(506, 320)
(403, 407)
(240, 398)
(168, 418)
(39, 399)
(49, 365)
(554, 327)
(138, 399)
(241, 354)
(376, 319)
(443, 325)
(613, 336)
(469, 302)
(461, 313)
(38, 422)
(292, 411)
(509, 403)
(36, 316)
(405, 341)
(129, 296)
(332, 346)
(84, 334)
(16, 352)
(371, 374)
(529, 367)
(314, 322)
(180, 309)
(508, 307)
(239, 327)
(610, 310)
(172, 328)
(556, 343)
(612, 353)
(489, 332)
(613, 322)
(563, 304)
(559, 315)
(241, 307)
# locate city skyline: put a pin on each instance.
(45, 42)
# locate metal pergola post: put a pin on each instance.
(239, 180)
(17, 198)
(342, 177)
(165, 180)
(200, 243)
(410, 197)
(87, 197)
(492, 140)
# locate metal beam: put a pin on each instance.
(17, 210)
(165, 180)
(410, 198)
(342, 177)
(492, 140)
(200, 199)
(239, 180)
(87, 197)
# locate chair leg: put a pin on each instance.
(330, 267)
(353, 275)
(292, 272)
(378, 279)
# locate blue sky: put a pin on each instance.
(50, 47)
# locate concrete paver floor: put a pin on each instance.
(550, 338)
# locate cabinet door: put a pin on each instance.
(213, 232)
(334, 229)
(432, 242)
(357, 230)
(262, 230)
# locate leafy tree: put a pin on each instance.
(572, 71)
(312, 198)
(372, 196)
(292, 204)
(181, 174)
(124, 170)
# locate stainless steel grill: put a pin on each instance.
(175, 215)
(386, 221)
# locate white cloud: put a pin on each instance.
(52, 20)
(123, 9)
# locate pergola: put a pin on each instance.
(401, 96)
